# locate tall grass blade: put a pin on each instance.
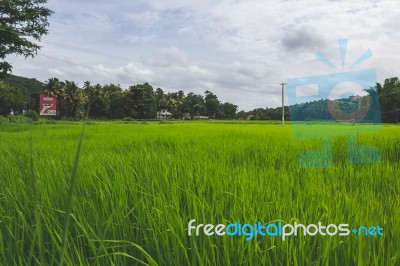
(70, 196)
(38, 228)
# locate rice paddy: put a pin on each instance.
(139, 184)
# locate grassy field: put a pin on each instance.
(138, 186)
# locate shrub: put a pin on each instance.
(32, 114)
(4, 120)
(19, 119)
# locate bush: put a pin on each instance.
(128, 119)
(19, 119)
(4, 120)
(32, 114)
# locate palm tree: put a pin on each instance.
(53, 87)
(74, 98)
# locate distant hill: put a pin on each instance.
(31, 85)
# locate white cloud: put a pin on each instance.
(139, 38)
(146, 19)
(56, 72)
(241, 50)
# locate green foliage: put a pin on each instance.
(389, 99)
(4, 120)
(11, 98)
(386, 96)
(266, 114)
(140, 101)
(17, 119)
(32, 114)
(212, 104)
(137, 192)
(194, 104)
(227, 111)
(70, 98)
(109, 101)
(20, 22)
(99, 99)
(30, 85)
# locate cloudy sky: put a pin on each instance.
(239, 49)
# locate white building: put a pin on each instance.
(163, 114)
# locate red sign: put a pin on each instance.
(48, 105)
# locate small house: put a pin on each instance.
(201, 117)
(186, 116)
(163, 114)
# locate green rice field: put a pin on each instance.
(139, 184)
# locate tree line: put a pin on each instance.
(389, 99)
(142, 101)
(111, 101)
(384, 106)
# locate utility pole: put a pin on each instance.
(283, 103)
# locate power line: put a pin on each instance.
(172, 67)
(100, 70)
(89, 51)
(104, 71)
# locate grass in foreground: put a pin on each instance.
(139, 185)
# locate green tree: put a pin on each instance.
(117, 100)
(70, 98)
(212, 103)
(21, 22)
(160, 99)
(176, 100)
(74, 100)
(170, 101)
(30, 84)
(98, 99)
(194, 104)
(389, 99)
(227, 110)
(140, 101)
(11, 98)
